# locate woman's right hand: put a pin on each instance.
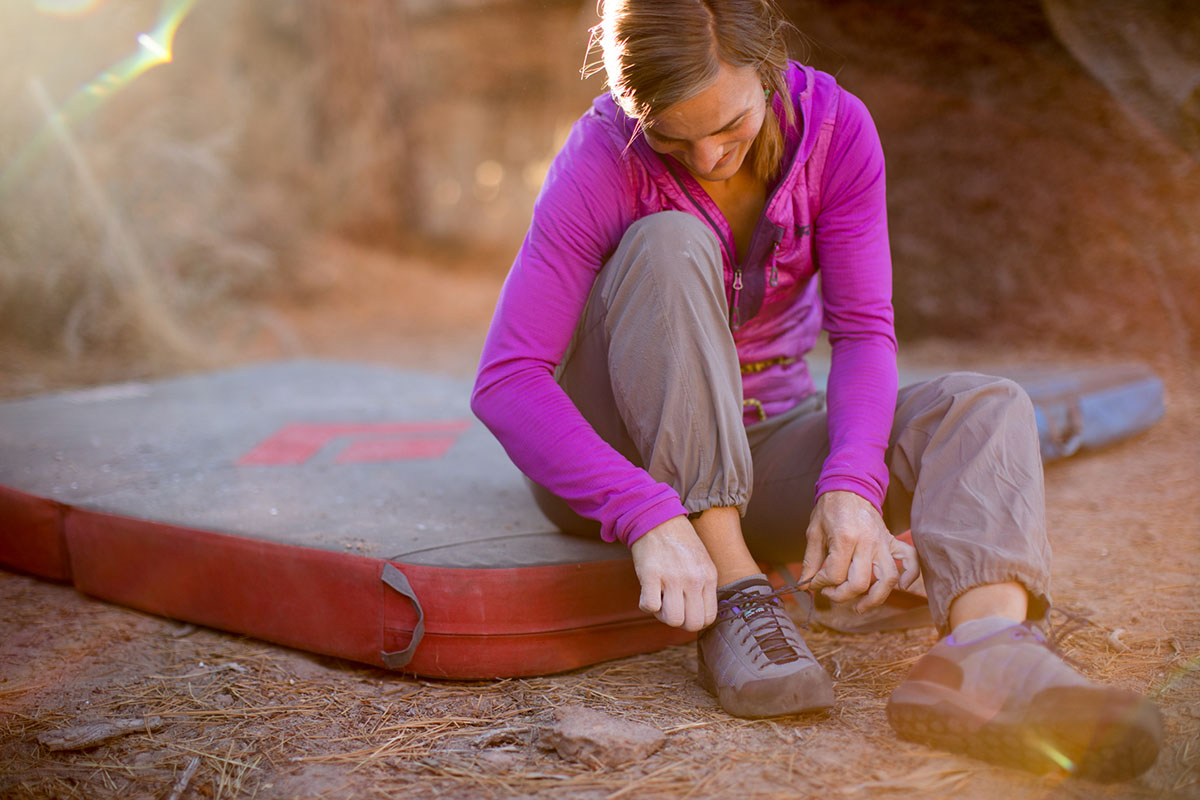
(679, 580)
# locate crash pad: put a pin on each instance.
(352, 510)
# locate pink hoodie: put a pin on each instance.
(827, 213)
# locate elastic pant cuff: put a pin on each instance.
(1036, 587)
(696, 506)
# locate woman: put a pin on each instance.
(645, 369)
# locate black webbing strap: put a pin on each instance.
(395, 579)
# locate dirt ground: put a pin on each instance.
(265, 721)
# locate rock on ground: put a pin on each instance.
(593, 737)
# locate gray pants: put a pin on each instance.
(654, 369)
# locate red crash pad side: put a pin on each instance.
(488, 623)
(483, 657)
(480, 623)
(31, 535)
(317, 600)
(515, 600)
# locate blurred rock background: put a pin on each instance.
(1043, 166)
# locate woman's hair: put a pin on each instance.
(657, 53)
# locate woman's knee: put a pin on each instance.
(673, 245)
(988, 401)
(974, 394)
(991, 388)
(672, 227)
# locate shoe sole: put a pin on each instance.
(810, 689)
(1099, 733)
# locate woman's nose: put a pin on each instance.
(706, 154)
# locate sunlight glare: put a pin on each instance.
(154, 47)
(67, 8)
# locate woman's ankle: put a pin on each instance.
(720, 530)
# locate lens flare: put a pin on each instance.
(67, 8)
(1055, 755)
(147, 41)
(154, 47)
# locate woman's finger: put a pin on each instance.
(674, 609)
(710, 599)
(693, 611)
(856, 576)
(885, 574)
(814, 552)
(910, 566)
(651, 597)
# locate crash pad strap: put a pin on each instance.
(1065, 429)
(400, 658)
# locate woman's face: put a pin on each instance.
(712, 132)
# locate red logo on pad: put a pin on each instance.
(368, 442)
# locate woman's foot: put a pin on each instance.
(994, 690)
(753, 659)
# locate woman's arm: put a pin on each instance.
(848, 545)
(580, 215)
(856, 290)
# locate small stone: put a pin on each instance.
(595, 738)
(82, 737)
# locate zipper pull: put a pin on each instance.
(774, 281)
(737, 289)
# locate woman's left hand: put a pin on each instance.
(848, 547)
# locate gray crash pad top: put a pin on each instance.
(360, 459)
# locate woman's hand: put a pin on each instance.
(679, 581)
(849, 547)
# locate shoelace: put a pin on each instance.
(766, 628)
(1054, 635)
